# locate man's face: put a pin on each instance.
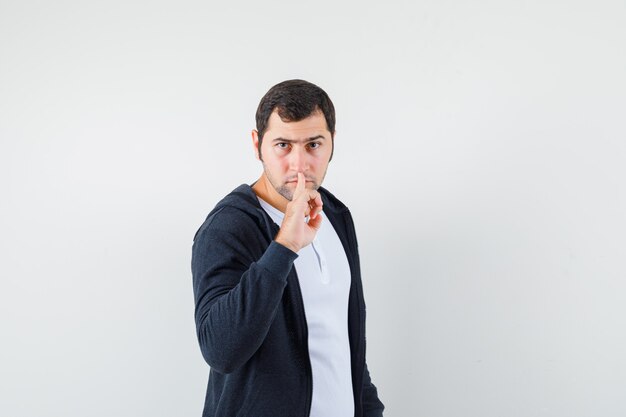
(291, 147)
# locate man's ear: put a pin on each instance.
(255, 143)
(332, 142)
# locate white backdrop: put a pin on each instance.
(480, 146)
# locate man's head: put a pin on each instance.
(295, 133)
(293, 100)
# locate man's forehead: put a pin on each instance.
(309, 128)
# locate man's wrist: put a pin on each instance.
(286, 244)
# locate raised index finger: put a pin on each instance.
(300, 185)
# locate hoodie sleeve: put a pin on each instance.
(238, 282)
(372, 406)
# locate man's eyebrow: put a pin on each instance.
(299, 141)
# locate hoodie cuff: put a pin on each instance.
(278, 260)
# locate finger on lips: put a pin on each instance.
(301, 182)
(312, 197)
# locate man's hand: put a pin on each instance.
(295, 233)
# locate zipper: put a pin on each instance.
(355, 259)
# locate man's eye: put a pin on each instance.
(280, 145)
(317, 145)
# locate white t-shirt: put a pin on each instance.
(324, 276)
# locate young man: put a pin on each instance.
(280, 314)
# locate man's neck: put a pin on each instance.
(264, 190)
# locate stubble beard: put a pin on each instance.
(285, 190)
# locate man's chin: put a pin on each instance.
(285, 192)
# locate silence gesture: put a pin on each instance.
(295, 233)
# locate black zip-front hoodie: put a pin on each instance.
(250, 317)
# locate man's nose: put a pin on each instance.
(298, 159)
